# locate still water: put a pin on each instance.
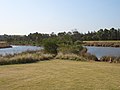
(98, 51)
(103, 51)
(18, 49)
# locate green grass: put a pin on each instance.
(60, 75)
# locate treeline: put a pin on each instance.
(62, 37)
(103, 34)
(64, 45)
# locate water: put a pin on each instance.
(18, 49)
(103, 51)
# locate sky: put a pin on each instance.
(21, 17)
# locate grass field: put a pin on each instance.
(60, 75)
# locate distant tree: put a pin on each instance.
(76, 36)
(53, 34)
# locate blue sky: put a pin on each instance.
(46, 16)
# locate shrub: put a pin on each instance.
(50, 46)
(83, 51)
(78, 42)
(67, 49)
(89, 56)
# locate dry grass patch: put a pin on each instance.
(103, 43)
(60, 75)
(25, 57)
(4, 44)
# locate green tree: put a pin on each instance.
(50, 46)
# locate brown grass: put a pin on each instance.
(60, 75)
(102, 43)
(25, 57)
(70, 57)
(4, 44)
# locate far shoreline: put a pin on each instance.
(4, 44)
(115, 44)
(6, 47)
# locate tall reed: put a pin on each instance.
(24, 58)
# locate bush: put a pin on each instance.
(50, 46)
(68, 49)
(83, 51)
(78, 42)
(89, 56)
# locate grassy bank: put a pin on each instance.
(102, 43)
(35, 56)
(25, 57)
(75, 57)
(60, 75)
(4, 45)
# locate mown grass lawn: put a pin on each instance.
(60, 75)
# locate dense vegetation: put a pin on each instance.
(62, 37)
(67, 46)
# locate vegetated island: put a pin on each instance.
(4, 45)
(102, 43)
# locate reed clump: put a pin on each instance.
(75, 57)
(111, 59)
(24, 58)
(70, 57)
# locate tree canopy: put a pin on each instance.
(62, 37)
